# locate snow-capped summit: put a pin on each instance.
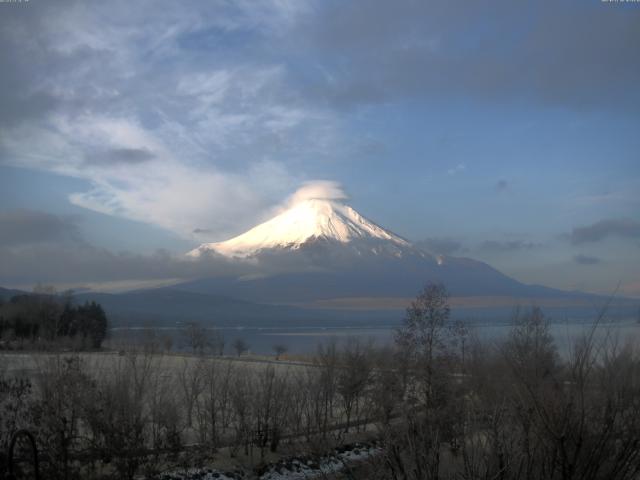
(308, 222)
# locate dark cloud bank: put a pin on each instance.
(20, 227)
(506, 246)
(41, 247)
(551, 52)
(586, 260)
(621, 227)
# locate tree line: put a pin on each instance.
(45, 319)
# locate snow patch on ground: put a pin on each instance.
(296, 469)
(288, 469)
(203, 474)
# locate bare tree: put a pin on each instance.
(423, 337)
(165, 418)
(217, 342)
(240, 346)
(387, 388)
(213, 408)
(280, 350)
(241, 408)
(196, 337)
(460, 339)
(353, 377)
(167, 343)
(270, 406)
(117, 417)
(533, 416)
(412, 448)
(58, 412)
(191, 380)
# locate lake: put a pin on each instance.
(304, 340)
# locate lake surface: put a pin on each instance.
(303, 340)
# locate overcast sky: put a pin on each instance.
(504, 131)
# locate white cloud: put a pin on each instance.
(217, 132)
(461, 167)
(319, 190)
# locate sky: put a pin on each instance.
(131, 132)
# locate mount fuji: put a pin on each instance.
(310, 223)
(320, 251)
(319, 262)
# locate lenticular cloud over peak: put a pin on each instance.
(318, 190)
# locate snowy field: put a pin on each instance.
(102, 362)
